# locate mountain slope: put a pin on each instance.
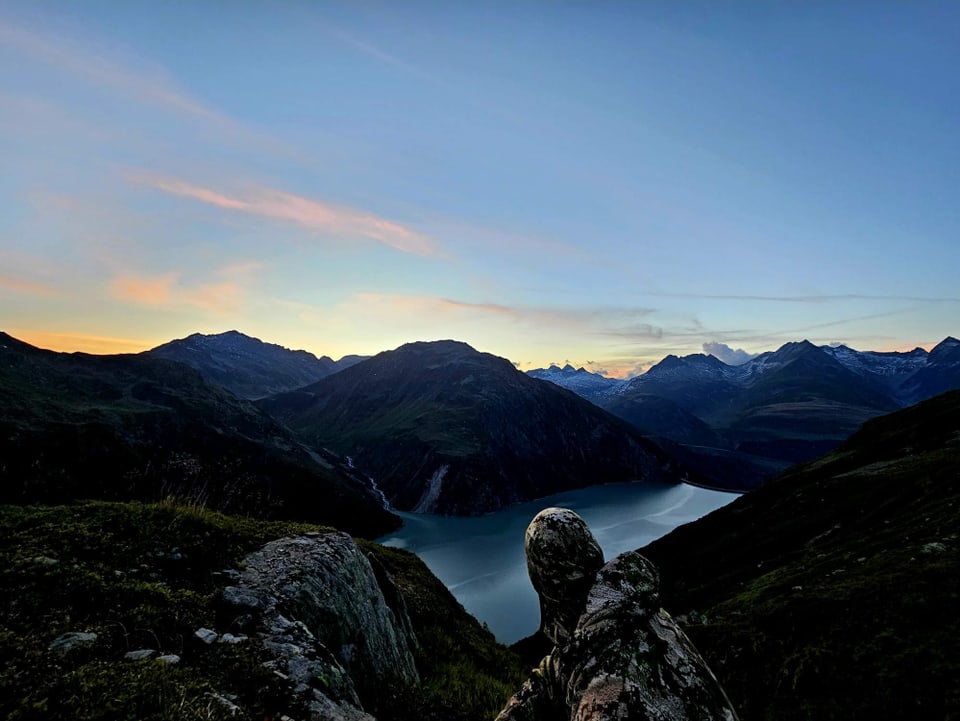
(803, 406)
(446, 429)
(940, 373)
(137, 427)
(831, 592)
(780, 408)
(248, 366)
(700, 384)
(592, 386)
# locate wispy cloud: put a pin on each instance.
(452, 90)
(223, 296)
(582, 318)
(19, 285)
(324, 218)
(130, 80)
(813, 298)
(151, 87)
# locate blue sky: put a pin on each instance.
(595, 182)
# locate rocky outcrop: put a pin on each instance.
(617, 655)
(334, 624)
(563, 558)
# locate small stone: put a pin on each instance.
(64, 644)
(46, 561)
(139, 654)
(170, 658)
(230, 638)
(206, 635)
(241, 598)
(227, 703)
(934, 547)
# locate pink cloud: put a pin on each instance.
(223, 296)
(20, 285)
(156, 290)
(311, 214)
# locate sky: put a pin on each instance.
(600, 183)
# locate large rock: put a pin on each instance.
(64, 644)
(337, 628)
(623, 657)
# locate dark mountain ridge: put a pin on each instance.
(126, 427)
(446, 429)
(247, 366)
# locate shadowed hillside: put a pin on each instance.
(248, 366)
(831, 592)
(134, 427)
(446, 429)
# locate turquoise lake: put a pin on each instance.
(481, 559)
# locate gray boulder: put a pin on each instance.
(336, 628)
(623, 657)
(139, 654)
(65, 643)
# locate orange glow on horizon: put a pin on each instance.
(82, 343)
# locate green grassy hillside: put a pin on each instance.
(148, 576)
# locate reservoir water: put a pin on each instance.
(481, 559)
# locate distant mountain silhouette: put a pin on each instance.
(740, 425)
(592, 386)
(247, 366)
(128, 427)
(828, 592)
(446, 429)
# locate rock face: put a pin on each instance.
(617, 655)
(335, 625)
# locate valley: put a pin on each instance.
(138, 490)
(480, 559)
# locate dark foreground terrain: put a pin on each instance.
(148, 576)
(832, 592)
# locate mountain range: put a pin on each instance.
(124, 427)
(740, 425)
(443, 428)
(247, 366)
(830, 592)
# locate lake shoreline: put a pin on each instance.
(481, 559)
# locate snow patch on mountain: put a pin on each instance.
(579, 380)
